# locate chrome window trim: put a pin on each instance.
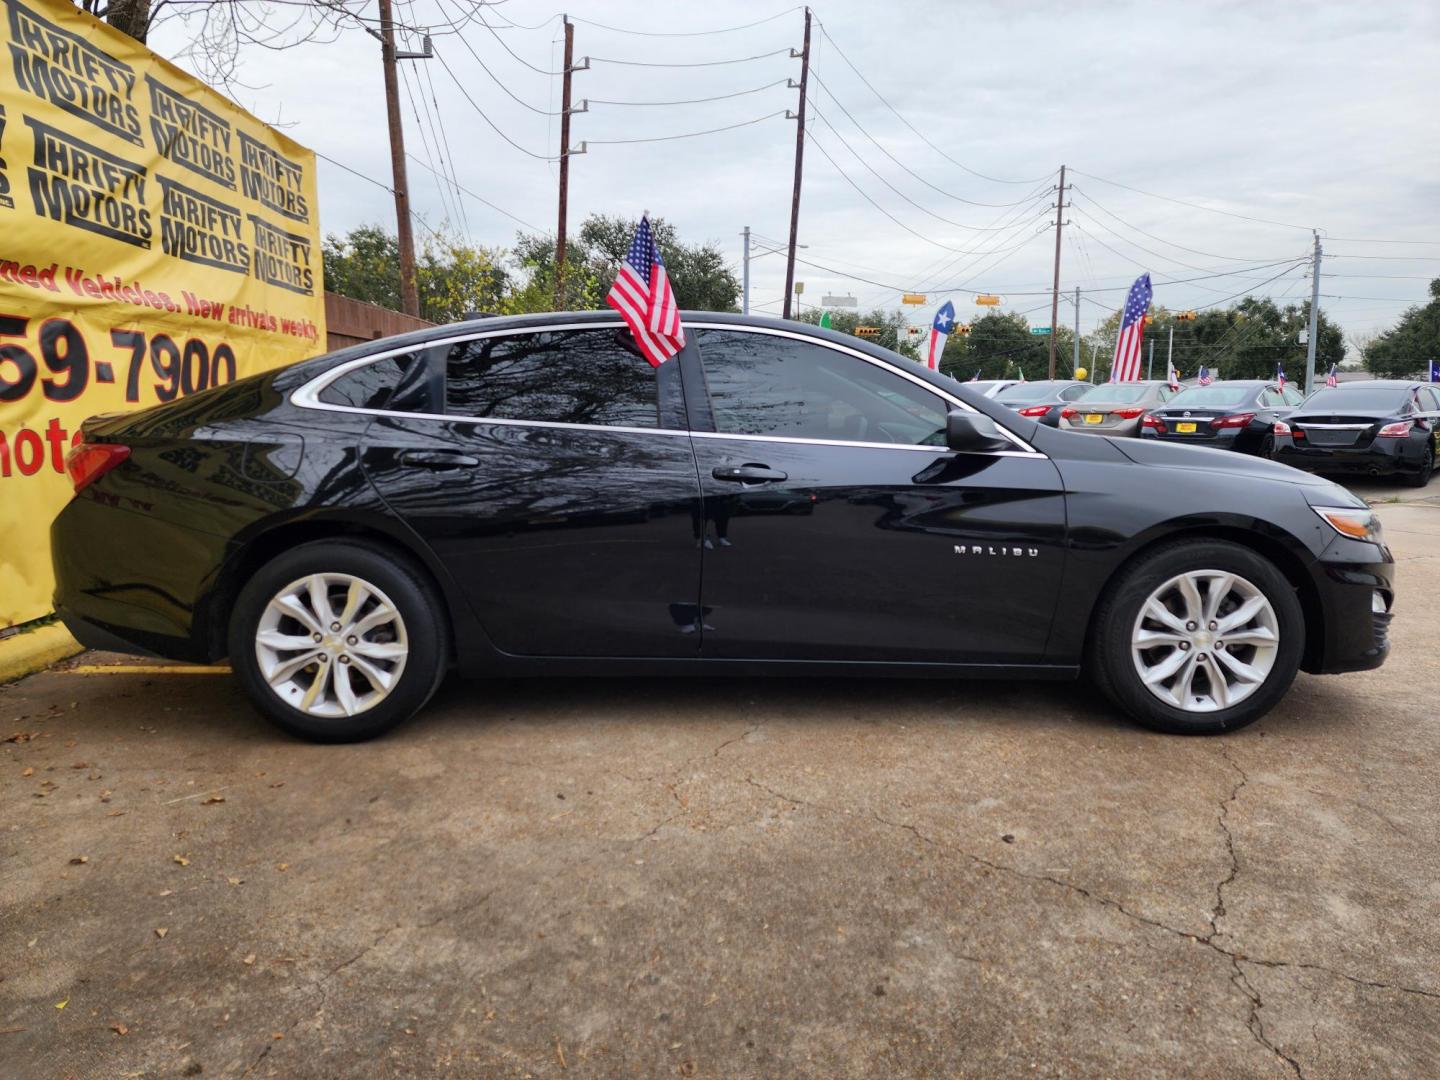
(1334, 427)
(307, 396)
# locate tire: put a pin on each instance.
(373, 679)
(1267, 447)
(1114, 658)
(1427, 469)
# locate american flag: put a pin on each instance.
(1204, 377)
(1333, 379)
(644, 299)
(1280, 375)
(1126, 365)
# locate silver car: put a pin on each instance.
(1115, 408)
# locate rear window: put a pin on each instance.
(1021, 393)
(1118, 393)
(1382, 399)
(1214, 396)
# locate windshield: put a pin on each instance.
(1119, 393)
(1020, 393)
(1217, 396)
(1367, 399)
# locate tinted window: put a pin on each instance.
(1271, 398)
(1293, 396)
(1371, 399)
(1217, 396)
(1071, 393)
(560, 376)
(761, 384)
(1024, 392)
(1429, 400)
(1116, 393)
(396, 383)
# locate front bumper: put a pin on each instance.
(1352, 580)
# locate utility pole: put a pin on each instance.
(1314, 320)
(409, 294)
(1077, 332)
(1150, 367)
(1170, 353)
(745, 272)
(560, 302)
(799, 163)
(1055, 292)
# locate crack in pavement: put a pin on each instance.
(1218, 911)
(320, 984)
(1234, 958)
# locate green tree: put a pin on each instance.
(1000, 346)
(1408, 347)
(453, 278)
(891, 324)
(699, 274)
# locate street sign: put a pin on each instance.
(916, 298)
(799, 287)
(1039, 329)
(839, 301)
(987, 300)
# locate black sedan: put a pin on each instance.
(1376, 428)
(527, 496)
(1041, 401)
(1231, 415)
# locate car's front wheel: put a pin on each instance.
(1198, 637)
(338, 641)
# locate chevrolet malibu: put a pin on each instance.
(528, 496)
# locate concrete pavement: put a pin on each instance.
(727, 879)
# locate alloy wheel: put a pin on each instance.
(331, 645)
(1205, 640)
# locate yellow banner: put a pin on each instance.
(155, 239)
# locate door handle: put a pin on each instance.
(438, 459)
(748, 474)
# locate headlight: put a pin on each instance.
(1353, 522)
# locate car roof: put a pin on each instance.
(1383, 384)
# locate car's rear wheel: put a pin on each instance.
(1267, 447)
(1198, 637)
(338, 641)
(1427, 467)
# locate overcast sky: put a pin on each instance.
(1308, 114)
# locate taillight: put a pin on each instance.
(1152, 423)
(1280, 428)
(1238, 420)
(87, 462)
(1127, 414)
(1397, 430)
(1035, 410)
(1069, 414)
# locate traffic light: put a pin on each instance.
(867, 331)
(1185, 316)
(963, 328)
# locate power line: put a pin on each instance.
(512, 52)
(687, 134)
(1194, 251)
(380, 184)
(1195, 206)
(688, 64)
(960, 164)
(445, 138)
(865, 195)
(491, 123)
(692, 33)
(466, 191)
(497, 80)
(691, 101)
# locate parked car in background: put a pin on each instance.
(990, 387)
(1237, 414)
(1381, 427)
(528, 496)
(1042, 400)
(1114, 408)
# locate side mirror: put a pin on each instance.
(969, 432)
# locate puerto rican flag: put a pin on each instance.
(1333, 379)
(939, 331)
(1174, 378)
(1126, 365)
(644, 299)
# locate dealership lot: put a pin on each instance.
(728, 878)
